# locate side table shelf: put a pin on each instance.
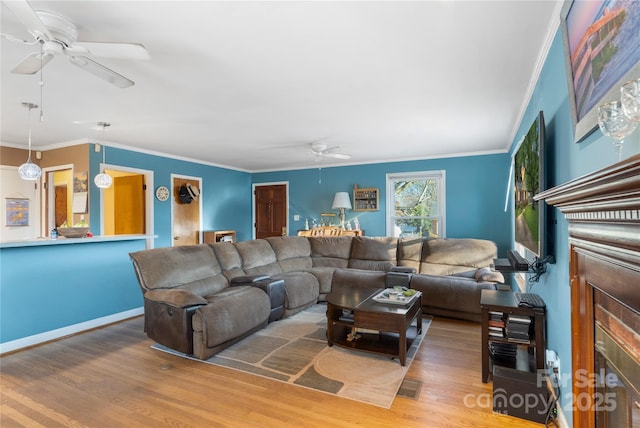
(213, 236)
(529, 353)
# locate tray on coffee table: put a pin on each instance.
(383, 297)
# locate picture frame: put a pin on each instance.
(592, 26)
(17, 212)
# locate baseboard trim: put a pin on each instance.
(48, 336)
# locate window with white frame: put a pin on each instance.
(416, 204)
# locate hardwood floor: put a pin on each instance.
(111, 378)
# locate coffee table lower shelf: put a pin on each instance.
(381, 343)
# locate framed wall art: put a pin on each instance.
(602, 51)
(17, 210)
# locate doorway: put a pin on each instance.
(124, 212)
(124, 203)
(127, 205)
(186, 215)
(271, 209)
(57, 194)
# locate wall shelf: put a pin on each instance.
(365, 199)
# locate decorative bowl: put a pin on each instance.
(73, 232)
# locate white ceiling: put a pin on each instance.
(250, 85)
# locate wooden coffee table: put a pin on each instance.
(381, 328)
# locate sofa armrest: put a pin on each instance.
(398, 279)
(176, 297)
(403, 269)
(168, 317)
(487, 275)
(248, 279)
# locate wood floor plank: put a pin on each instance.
(110, 377)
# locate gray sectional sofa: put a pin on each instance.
(200, 299)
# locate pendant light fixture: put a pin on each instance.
(29, 170)
(103, 180)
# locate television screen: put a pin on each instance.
(528, 180)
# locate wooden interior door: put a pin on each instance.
(129, 204)
(186, 217)
(271, 210)
(60, 205)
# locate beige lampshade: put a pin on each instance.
(341, 200)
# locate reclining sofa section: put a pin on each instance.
(200, 299)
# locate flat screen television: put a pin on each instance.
(530, 216)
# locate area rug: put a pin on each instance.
(295, 351)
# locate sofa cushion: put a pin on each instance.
(378, 253)
(230, 314)
(292, 252)
(410, 252)
(352, 278)
(324, 275)
(301, 290)
(450, 256)
(330, 251)
(487, 275)
(228, 258)
(258, 258)
(450, 292)
(191, 267)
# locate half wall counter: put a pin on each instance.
(53, 288)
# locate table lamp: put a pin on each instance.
(341, 201)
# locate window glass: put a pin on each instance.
(415, 204)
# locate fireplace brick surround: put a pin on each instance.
(603, 211)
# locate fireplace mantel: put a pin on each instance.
(603, 211)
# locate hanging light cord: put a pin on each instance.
(29, 121)
(41, 81)
(29, 106)
(104, 148)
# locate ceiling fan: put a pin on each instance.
(323, 150)
(57, 35)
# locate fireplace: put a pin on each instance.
(617, 352)
(603, 211)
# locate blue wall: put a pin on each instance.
(475, 194)
(226, 194)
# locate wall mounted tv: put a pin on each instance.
(532, 228)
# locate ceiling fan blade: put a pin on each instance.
(114, 50)
(329, 152)
(29, 19)
(32, 63)
(101, 71)
(337, 155)
(17, 39)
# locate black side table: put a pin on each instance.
(505, 302)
